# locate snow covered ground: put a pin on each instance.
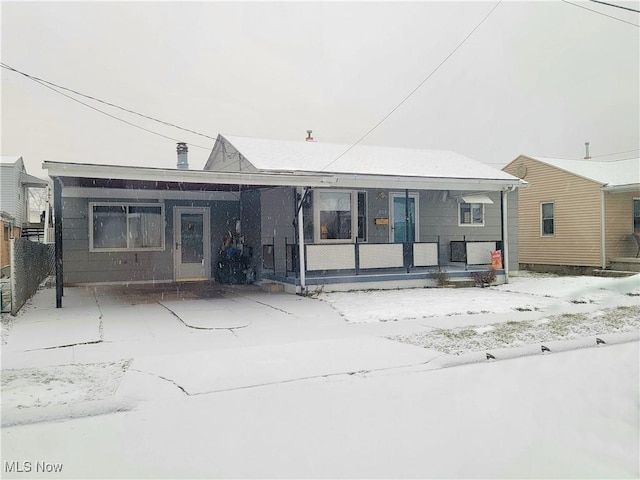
(343, 385)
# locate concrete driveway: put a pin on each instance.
(198, 338)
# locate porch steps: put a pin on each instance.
(272, 287)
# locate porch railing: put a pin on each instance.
(368, 256)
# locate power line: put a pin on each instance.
(415, 89)
(618, 153)
(55, 87)
(600, 13)
(616, 6)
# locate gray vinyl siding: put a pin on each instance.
(251, 213)
(82, 266)
(278, 210)
(439, 221)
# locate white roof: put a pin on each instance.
(610, 173)
(303, 156)
(9, 160)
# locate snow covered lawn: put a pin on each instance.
(526, 292)
(60, 385)
(564, 326)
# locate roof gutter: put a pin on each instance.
(294, 179)
(631, 187)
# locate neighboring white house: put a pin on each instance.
(16, 188)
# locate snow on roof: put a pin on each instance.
(611, 173)
(303, 156)
(7, 160)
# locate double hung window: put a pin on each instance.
(547, 226)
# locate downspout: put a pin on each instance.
(602, 229)
(505, 236)
(301, 262)
(57, 214)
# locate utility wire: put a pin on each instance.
(618, 153)
(55, 87)
(600, 13)
(415, 89)
(616, 6)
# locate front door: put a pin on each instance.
(398, 217)
(192, 252)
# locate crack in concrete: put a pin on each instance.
(100, 324)
(258, 301)
(91, 342)
(162, 378)
(202, 328)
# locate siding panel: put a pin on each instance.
(577, 238)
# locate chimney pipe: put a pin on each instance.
(586, 146)
(309, 137)
(183, 162)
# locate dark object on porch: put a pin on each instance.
(599, 341)
(233, 267)
(545, 349)
(636, 235)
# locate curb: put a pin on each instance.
(554, 346)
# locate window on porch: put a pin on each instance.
(636, 214)
(340, 215)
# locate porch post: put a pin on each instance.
(301, 261)
(407, 245)
(57, 208)
(505, 236)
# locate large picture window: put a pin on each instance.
(340, 215)
(547, 226)
(122, 227)
(636, 214)
(471, 213)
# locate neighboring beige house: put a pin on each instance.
(577, 213)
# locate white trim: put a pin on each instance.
(127, 205)
(505, 236)
(317, 235)
(126, 193)
(472, 223)
(295, 179)
(416, 197)
(206, 241)
(547, 235)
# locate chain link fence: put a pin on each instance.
(31, 264)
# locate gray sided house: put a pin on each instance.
(307, 215)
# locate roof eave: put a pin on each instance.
(294, 179)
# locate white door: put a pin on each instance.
(398, 210)
(192, 244)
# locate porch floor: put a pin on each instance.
(457, 273)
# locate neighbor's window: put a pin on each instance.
(636, 214)
(471, 213)
(6, 232)
(546, 214)
(126, 227)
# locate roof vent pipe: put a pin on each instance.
(183, 162)
(586, 147)
(309, 137)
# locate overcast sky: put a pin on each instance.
(538, 78)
